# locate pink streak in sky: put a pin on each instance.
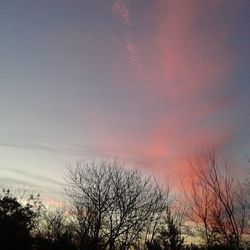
(188, 69)
(194, 73)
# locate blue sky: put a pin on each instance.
(145, 81)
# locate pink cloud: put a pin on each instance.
(120, 9)
(188, 69)
(195, 60)
(192, 76)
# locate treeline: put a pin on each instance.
(112, 207)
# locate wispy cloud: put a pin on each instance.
(77, 150)
(28, 146)
(34, 177)
(133, 55)
(23, 181)
(120, 9)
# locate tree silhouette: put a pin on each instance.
(17, 221)
(217, 201)
(168, 235)
(55, 232)
(115, 208)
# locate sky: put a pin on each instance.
(147, 81)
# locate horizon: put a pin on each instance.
(141, 81)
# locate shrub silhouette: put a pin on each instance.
(16, 222)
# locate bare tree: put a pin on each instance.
(216, 200)
(168, 235)
(115, 208)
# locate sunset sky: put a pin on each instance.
(146, 81)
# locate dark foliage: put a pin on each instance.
(17, 221)
(168, 236)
